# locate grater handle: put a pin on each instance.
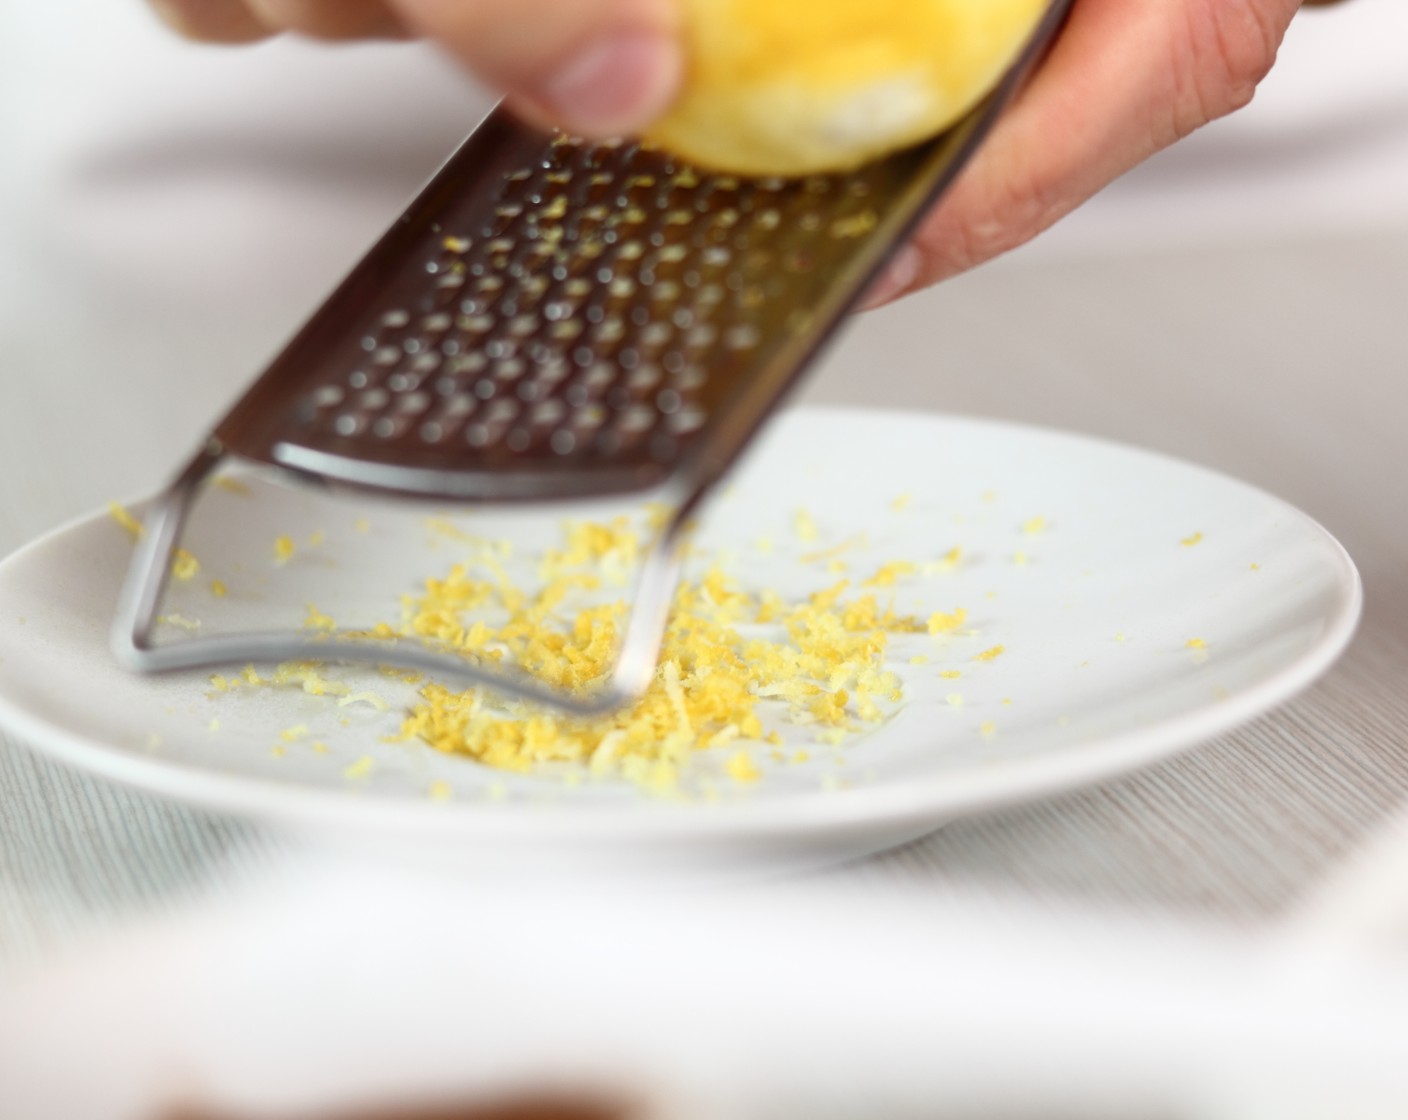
(134, 644)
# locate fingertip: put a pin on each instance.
(211, 21)
(618, 83)
(897, 279)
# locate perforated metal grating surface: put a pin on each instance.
(558, 307)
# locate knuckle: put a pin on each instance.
(1227, 49)
(987, 218)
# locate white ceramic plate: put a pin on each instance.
(1093, 566)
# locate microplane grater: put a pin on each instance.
(551, 319)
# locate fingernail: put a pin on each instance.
(897, 278)
(617, 85)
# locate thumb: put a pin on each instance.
(594, 67)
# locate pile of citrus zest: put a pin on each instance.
(730, 657)
(990, 654)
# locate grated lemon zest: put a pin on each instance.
(121, 515)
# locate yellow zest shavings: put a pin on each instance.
(954, 699)
(1034, 525)
(120, 514)
(990, 654)
(283, 549)
(184, 566)
(901, 502)
(317, 620)
(294, 733)
(277, 752)
(317, 537)
(950, 674)
(1195, 643)
(321, 747)
(362, 525)
(180, 621)
(804, 525)
(441, 791)
(214, 724)
(919, 659)
(444, 527)
(987, 729)
(1256, 567)
(741, 767)
(233, 485)
(1019, 559)
(359, 769)
(658, 515)
(888, 573)
(218, 588)
(834, 551)
(940, 623)
(856, 225)
(1190, 541)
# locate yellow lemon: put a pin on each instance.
(790, 87)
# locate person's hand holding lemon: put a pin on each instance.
(794, 86)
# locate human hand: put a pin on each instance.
(1123, 81)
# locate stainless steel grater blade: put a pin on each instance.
(555, 319)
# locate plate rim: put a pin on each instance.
(938, 797)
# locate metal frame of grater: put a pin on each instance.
(557, 319)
